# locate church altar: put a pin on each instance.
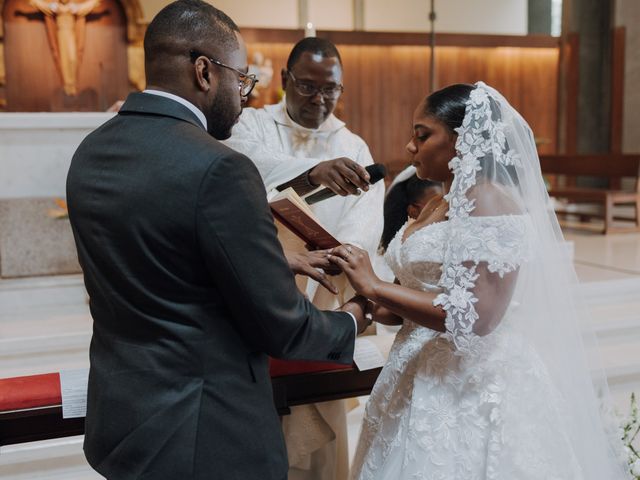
(36, 149)
(35, 153)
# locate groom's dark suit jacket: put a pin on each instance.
(189, 292)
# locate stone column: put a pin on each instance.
(592, 20)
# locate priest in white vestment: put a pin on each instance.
(300, 143)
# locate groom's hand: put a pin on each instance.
(308, 263)
(358, 307)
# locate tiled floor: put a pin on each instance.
(600, 257)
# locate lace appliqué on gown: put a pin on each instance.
(490, 413)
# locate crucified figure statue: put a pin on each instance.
(65, 21)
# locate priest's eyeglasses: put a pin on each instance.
(246, 81)
(330, 92)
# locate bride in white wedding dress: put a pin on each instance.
(488, 378)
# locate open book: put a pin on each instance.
(292, 212)
(299, 230)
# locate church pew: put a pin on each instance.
(610, 166)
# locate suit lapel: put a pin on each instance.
(148, 104)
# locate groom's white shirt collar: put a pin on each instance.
(196, 111)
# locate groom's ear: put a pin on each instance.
(204, 78)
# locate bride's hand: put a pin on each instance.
(355, 263)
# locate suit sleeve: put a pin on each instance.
(238, 240)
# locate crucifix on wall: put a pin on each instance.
(65, 21)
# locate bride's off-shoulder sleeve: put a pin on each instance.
(480, 268)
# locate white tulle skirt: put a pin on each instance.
(435, 415)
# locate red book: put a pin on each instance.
(290, 210)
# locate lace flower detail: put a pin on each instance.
(458, 280)
(481, 139)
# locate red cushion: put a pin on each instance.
(30, 391)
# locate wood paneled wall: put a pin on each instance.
(385, 83)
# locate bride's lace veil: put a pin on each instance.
(527, 274)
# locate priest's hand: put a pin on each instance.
(341, 175)
(309, 263)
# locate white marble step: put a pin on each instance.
(621, 358)
(43, 339)
(41, 321)
(44, 362)
(53, 328)
(617, 329)
(25, 294)
(56, 459)
(611, 292)
(614, 308)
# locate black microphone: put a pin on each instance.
(377, 172)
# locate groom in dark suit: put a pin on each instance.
(189, 287)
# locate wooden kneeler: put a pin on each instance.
(31, 406)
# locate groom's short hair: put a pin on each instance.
(187, 24)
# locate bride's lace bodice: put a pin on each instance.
(417, 267)
(501, 241)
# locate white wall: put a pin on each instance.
(331, 14)
(260, 13)
(459, 16)
(463, 16)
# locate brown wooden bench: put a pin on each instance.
(610, 166)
